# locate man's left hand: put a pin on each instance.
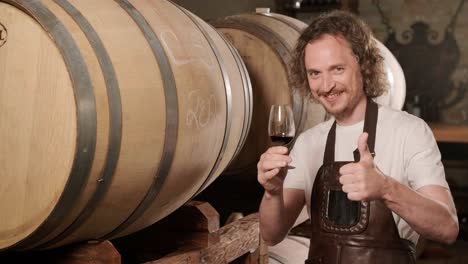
(362, 180)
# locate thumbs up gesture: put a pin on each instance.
(362, 180)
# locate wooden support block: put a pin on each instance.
(87, 253)
(195, 216)
(195, 224)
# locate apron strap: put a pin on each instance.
(370, 126)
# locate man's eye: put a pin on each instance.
(313, 74)
(339, 69)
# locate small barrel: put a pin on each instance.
(113, 113)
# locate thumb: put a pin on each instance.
(363, 148)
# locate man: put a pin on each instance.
(366, 206)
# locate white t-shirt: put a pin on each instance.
(405, 150)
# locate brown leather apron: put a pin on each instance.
(345, 231)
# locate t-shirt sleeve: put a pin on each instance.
(423, 159)
(296, 171)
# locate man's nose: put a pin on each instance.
(328, 82)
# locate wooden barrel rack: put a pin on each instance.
(192, 234)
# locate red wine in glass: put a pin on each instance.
(281, 139)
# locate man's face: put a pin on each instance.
(334, 76)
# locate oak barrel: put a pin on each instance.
(113, 113)
(266, 42)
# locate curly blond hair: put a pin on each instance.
(361, 42)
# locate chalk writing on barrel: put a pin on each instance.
(202, 109)
(186, 54)
(3, 34)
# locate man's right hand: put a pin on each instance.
(270, 173)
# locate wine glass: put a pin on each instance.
(281, 126)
